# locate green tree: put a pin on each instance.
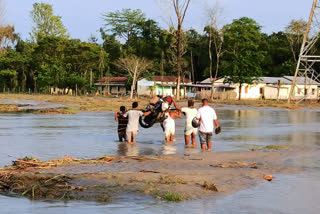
(295, 32)
(242, 63)
(46, 23)
(67, 63)
(8, 76)
(278, 60)
(197, 54)
(126, 23)
(26, 70)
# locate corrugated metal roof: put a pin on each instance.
(208, 81)
(113, 79)
(170, 79)
(273, 80)
(303, 80)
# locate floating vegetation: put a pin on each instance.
(209, 186)
(172, 180)
(270, 147)
(236, 164)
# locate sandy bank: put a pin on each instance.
(169, 178)
(84, 103)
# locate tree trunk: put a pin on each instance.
(133, 83)
(23, 81)
(192, 68)
(162, 70)
(210, 68)
(240, 91)
(215, 77)
(179, 53)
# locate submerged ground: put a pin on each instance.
(169, 178)
(254, 142)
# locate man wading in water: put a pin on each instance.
(133, 122)
(190, 112)
(207, 117)
(169, 126)
(122, 123)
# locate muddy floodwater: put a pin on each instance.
(93, 134)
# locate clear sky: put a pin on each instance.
(83, 17)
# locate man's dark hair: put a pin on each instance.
(190, 103)
(122, 108)
(134, 104)
(205, 100)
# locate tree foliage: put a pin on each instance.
(295, 32)
(244, 57)
(130, 39)
(46, 23)
(126, 23)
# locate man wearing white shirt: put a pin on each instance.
(207, 117)
(190, 112)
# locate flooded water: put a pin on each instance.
(89, 135)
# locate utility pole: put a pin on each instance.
(306, 62)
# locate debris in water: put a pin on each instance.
(268, 177)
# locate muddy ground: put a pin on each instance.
(168, 178)
(74, 104)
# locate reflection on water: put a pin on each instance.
(94, 134)
(169, 149)
(89, 135)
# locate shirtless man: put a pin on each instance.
(122, 123)
(169, 126)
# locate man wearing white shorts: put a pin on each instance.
(133, 122)
(169, 126)
(190, 112)
(207, 117)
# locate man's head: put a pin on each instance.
(190, 103)
(205, 102)
(135, 105)
(122, 108)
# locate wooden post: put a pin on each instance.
(76, 89)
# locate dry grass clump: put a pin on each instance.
(171, 179)
(270, 147)
(209, 186)
(55, 111)
(9, 107)
(236, 164)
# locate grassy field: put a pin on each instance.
(272, 104)
(79, 103)
(74, 104)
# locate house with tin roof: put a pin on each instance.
(163, 85)
(112, 85)
(269, 88)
